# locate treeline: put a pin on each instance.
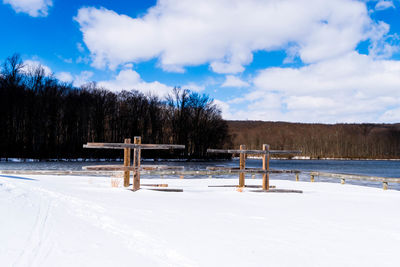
(361, 141)
(41, 117)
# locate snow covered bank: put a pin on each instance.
(82, 221)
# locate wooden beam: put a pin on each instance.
(136, 162)
(242, 166)
(265, 167)
(109, 168)
(165, 189)
(247, 186)
(131, 146)
(155, 185)
(277, 191)
(127, 162)
(247, 151)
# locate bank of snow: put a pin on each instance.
(82, 221)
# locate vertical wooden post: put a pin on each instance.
(385, 186)
(242, 166)
(265, 167)
(127, 162)
(312, 178)
(342, 181)
(297, 177)
(136, 163)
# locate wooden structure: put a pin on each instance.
(243, 152)
(344, 176)
(137, 146)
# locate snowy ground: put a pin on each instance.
(83, 221)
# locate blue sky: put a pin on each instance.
(295, 60)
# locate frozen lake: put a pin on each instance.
(382, 168)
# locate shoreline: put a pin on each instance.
(30, 160)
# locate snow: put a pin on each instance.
(83, 221)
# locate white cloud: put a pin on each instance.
(82, 78)
(77, 80)
(233, 81)
(35, 8)
(31, 65)
(224, 33)
(352, 88)
(194, 87)
(384, 4)
(128, 79)
(64, 76)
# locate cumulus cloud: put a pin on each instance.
(352, 88)
(384, 4)
(35, 8)
(64, 76)
(31, 65)
(128, 79)
(233, 81)
(224, 33)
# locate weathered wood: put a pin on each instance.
(109, 168)
(160, 167)
(136, 163)
(297, 177)
(277, 191)
(155, 185)
(165, 189)
(131, 146)
(247, 186)
(127, 162)
(312, 178)
(265, 167)
(252, 151)
(342, 181)
(242, 166)
(356, 177)
(385, 185)
(249, 170)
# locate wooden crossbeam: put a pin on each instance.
(131, 146)
(250, 170)
(257, 152)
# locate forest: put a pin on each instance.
(354, 141)
(43, 118)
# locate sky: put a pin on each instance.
(314, 61)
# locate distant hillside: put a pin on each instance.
(321, 140)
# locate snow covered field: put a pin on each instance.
(83, 221)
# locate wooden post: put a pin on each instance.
(127, 162)
(312, 178)
(136, 163)
(342, 181)
(265, 167)
(242, 166)
(385, 185)
(297, 177)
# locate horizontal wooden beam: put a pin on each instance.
(130, 168)
(155, 185)
(278, 191)
(251, 170)
(248, 186)
(132, 146)
(108, 168)
(247, 151)
(356, 177)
